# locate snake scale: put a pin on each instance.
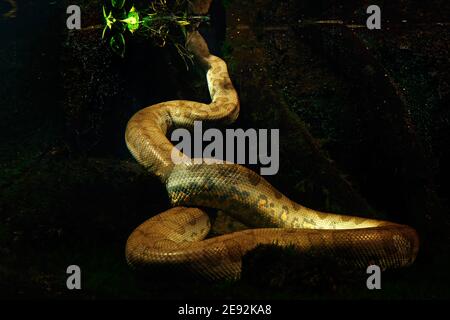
(176, 238)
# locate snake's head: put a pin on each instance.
(199, 6)
(197, 45)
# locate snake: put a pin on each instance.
(178, 238)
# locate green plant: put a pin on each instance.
(162, 21)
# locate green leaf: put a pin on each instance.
(104, 31)
(109, 19)
(117, 44)
(147, 21)
(132, 20)
(117, 3)
(183, 29)
(183, 22)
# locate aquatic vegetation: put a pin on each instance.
(164, 22)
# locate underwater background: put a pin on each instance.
(364, 129)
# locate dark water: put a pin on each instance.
(30, 90)
(65, 101)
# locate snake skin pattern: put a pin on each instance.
(176, 238)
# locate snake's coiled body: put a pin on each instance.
(177, 236)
